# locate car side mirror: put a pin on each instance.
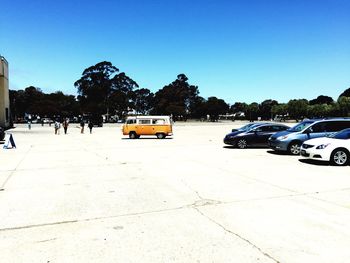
(308, 131)
(234, 130)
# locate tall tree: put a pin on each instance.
(177, 98)
(122, 88)
(346, 93)
(142, 100)
(252, 111)
(238, 107)
(215, 107)
(344, 105)
(297, 108)
(280, 111)
(321, 100)
(95, 87)
(265, 109)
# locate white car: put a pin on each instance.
(334, 149)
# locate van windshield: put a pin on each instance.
(301, 126)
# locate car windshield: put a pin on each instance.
(343, 135)
(301, 126)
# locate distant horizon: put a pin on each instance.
(238, 51)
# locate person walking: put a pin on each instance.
(65, 125)
(82, 124)
(90, 125)
(57, 127)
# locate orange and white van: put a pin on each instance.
(135, 126)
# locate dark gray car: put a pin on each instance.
(255, 136)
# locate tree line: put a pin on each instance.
(103, 89)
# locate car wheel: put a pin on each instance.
(294, 148)
(242, 143)
(340, 157)
(132, 135)
(160, 135)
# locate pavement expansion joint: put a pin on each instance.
(205, 202)
(236, 235)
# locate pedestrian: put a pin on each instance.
(57, 127)
(90, 125)
(65, 125)
(29, 122)
(82, 124)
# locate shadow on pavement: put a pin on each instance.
(249, 147)
(145, 138)
(279, 153)
(314, 162)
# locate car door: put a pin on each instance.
(317, 130)
(263, 133)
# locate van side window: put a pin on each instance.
(338, 125)
(144, 121)
(158, 121)
(131, 121)
(319, 127)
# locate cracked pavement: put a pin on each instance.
(104, 198)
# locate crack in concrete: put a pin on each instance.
(2, 187)
(91, 219)
(297, 193)
(189, 187)
(237, 235)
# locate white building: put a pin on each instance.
(4, 93)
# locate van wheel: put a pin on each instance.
(340, 157)
(133, 135)
(294, 148)
(160, 135)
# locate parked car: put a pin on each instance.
(291, 139)
(334, 149)
(2, 134)
(256, 135)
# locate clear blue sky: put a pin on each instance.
(237, 50)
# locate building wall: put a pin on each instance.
(4, 93)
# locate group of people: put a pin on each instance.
(65, 125)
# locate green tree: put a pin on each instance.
(321, 100)
(265, 109)
(122, 92)
(280, 110)
(344, 105)
(238, 107)
(177, 99)
(214, 107)
(346, 93)
(252, 111)
(318, 110)
(297, 108)
(95, 87)
(142, 100)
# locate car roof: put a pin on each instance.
(271, 123)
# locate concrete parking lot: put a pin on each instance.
(102, 197)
